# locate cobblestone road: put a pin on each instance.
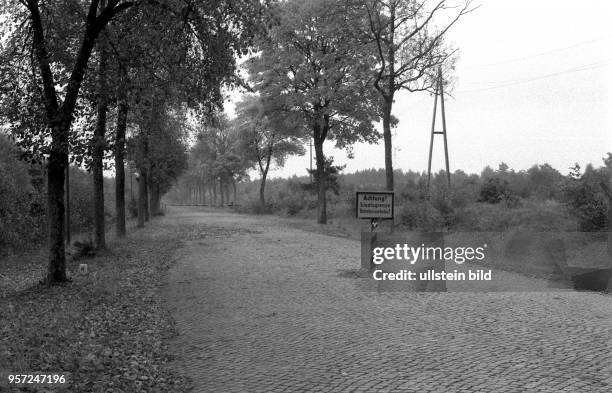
(263, 307)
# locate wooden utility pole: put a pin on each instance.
(439, 92)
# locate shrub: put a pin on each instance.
(586, 200)
(483, 217)
(496, 190)
(543, 216)
(22, 204)
(23, 212)
(84, 249)
(252, 206)
(421, 216)
(538, 216)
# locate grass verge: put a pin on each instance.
(107, 328)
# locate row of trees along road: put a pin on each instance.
(226, 149)
(69, 67)
(335, 67)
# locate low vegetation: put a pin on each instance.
(107, 328)
(23, 210)
(538, 199)
(503, 202)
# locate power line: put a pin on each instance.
(575, 69)
(517, 59)
(585, 67)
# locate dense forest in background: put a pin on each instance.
(540, 198)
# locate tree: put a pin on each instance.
(586, 199)
(221, 156)
(199, 178)
(119, 155)
(495, 190)
(544, 181)
(308, 62)
(330, 178)
(409, 49)
(267, 133)
(575, 172)
(98, 143)
(60, 104)
(167, 157)
(181, 54)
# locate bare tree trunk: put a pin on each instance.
(387, 106)
(142, 196)
(322, 189)
(122, 112)
(388, 100)
(221, 192)
(58, 161)
(263, 170)
(234, 187)
(262, 191)
(67, 181)
(146, 196)
(99, 145)
(154, 199)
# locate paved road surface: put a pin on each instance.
(265, 307)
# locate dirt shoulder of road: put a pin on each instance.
(107, 329)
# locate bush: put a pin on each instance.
(252, 206)
(22, 204)
(84, 249)
(493, 190)
(421, 216)
(23, 212)
(586, 200)
(292, 198)
(483, 217)
(535, 216)
(543, 216)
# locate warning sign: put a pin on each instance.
(374, 204)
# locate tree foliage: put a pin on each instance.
(267, 133)
(308, 62)
(187, 50)
(407, 41)
(330, 178)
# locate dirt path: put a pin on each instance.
(265, 307)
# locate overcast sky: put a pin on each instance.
(533, 86)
